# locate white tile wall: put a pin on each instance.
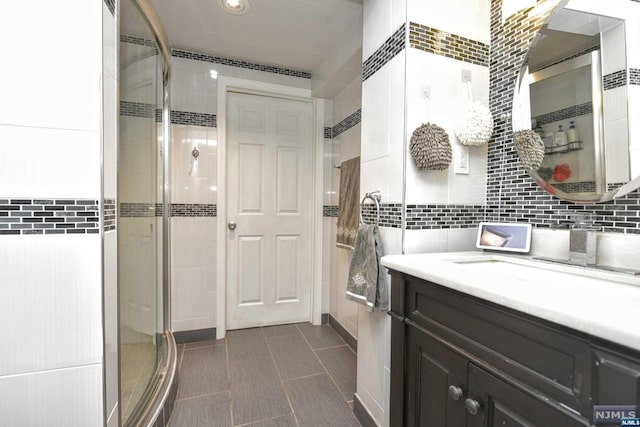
(634, 130)
(467, 18)
(34, 91)
(51, 297)
(44, 162)
(381, 19)
(193, 273)
(613, 50)
(344, 147)
(62, 397)
(448, 98)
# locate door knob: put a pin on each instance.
(455, 392)
(472, 406)
(232, 225)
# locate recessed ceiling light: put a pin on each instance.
(236, 7)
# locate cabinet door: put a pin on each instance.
(501, 405)
(431, 370)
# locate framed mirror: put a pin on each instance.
(574, 92)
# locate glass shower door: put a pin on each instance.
(140, 195)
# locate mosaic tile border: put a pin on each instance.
(390, 214)
(443, 43)
(192, 118)
(186, 54)
(48, 216)
(634, 75)
(144, 110)
(512, 196)
(111, 5)
(141, 41)
(385, 53)
(109, 212)
(140, 210)
(614, 80)
(328, 133)
(137, 109)
(148, 210)
(194, 210)
(330, 211)
(565, 113)
(439, 216)
(179, 53)
(346, 124)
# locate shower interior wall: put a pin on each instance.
(54, 148)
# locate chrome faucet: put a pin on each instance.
(582, 241)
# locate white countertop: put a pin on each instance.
(596, 302)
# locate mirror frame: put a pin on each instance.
(585, 198)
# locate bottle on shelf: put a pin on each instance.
(560, 137)
(572, 133)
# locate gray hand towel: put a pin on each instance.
(367, 284)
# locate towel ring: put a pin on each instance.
(376, 196)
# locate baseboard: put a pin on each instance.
(362, 414)
(346, 336)
(324, 319)
(196, 335)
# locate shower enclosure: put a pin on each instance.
(146, 346)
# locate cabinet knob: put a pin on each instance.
(455, 392)
(472, 406)
(232, 225)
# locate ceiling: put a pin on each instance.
(295, 34)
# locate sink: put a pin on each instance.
(525, 267)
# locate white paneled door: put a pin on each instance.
(269, 210)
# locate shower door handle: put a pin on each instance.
(232, 225)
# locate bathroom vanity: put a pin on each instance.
(495, 340)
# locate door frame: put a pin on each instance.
(251, 87)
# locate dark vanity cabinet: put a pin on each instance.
(457, 360)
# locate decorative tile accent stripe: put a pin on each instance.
(428, 217)
(179, 53)
(140, 210)
(137, 109)
(111, 5)
(575, 55)
(49, 216)
(109, 212)
(565, 113)
(634, 75)
(390, 214)
(446, 44)
(191, 118)
(330, 211)
(328, 134)
(512, 196)
(347, 123)
(194, 210)
(385, 53)
(576, 187)
(141, 41)
(614, 80)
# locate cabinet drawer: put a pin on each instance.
(500, 404)
(526, 349)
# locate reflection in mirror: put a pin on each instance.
(573, 94)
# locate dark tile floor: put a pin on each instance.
(277, 376)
